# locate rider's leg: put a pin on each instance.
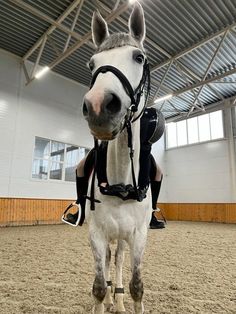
(156, 180)
(144, 169)
(83, 171)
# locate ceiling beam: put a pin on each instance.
(87, 36)
(195, 46)
(73, 24)
(224, 82)
(83, 40)
(45, 17)
(61, 18)
(182, 68)
(116, 14)
(184, 75)
(162, 80)
(201, 83)
(209, 67)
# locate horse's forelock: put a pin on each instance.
(119, 40)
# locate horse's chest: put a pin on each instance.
(119, 219)
(118, 160)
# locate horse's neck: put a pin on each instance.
(118, 157)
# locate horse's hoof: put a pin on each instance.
(98, 309)
(109, 307)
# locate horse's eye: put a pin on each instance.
(91, 65)
(139, 58)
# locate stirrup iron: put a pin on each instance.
(63, 218)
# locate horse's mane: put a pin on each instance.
(119, 40)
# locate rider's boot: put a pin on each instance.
(156, 224)
(155, 188)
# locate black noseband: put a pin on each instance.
(134, 95)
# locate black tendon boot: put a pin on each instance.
(155, 188)
(81, 188)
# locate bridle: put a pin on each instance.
(135, 96)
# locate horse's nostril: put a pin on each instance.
(85, 109)
(114, 104)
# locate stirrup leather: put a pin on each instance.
(64, 219)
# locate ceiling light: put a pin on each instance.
(163, 98)
(42, 72)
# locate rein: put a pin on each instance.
(135, 96)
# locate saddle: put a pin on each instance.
(152, 126)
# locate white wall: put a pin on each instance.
(50, 108)
(198, 173)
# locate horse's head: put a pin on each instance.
(118, 68)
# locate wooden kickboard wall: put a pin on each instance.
(25, 211)
(210, 212)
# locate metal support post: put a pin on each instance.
(232, 151)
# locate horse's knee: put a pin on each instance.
(99, 288)
(119, 253)
(119, 256)
(136, 287)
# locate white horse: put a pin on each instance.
(107, 105)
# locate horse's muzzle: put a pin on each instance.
(104, 118)
(110, 105)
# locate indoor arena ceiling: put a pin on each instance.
(191, 45)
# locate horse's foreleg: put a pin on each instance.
(99, 245)
(137, 246)
(119, 289)
(108, 300)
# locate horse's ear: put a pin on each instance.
(99, 29)
(137, 23)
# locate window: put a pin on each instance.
(204, 128)
(192, 131)
(195, 130)
(216, 121)
(181, 133)
(172, 135)
(55, 160)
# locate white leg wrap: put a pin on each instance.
(119, 303)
